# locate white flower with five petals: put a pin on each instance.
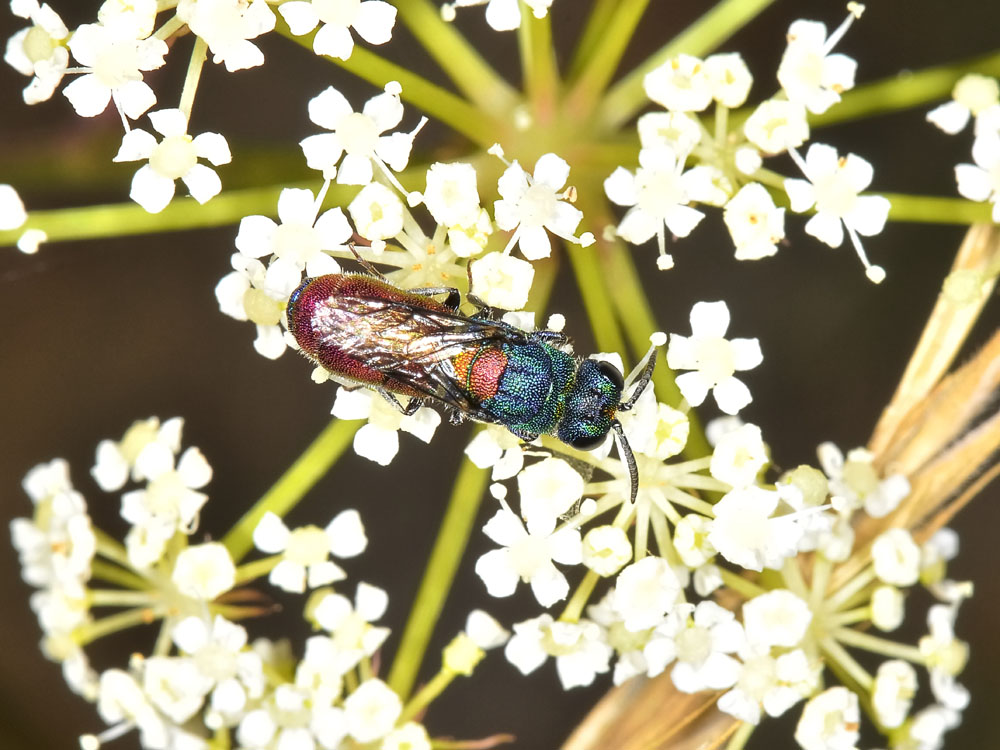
(713, 359)
(361, 138)
(112, 61)
(531, 203)
(527, 554)
(372, 20)
(301, 241)
(228, 26)
(38, 50)
(174, 157)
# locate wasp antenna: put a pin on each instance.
(641, 382)
(366, 265)
(626, 452)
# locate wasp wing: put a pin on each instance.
(410, 344)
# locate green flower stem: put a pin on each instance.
(838, 655)
(637, 316)
(822, 567)
(113, 623)
(169, 27)
(314, 462)
(904, 90)
(596, 299)
(473, 76)
(741, 736)
(604, 54)
(124, 219)
(113, 574)
(256, 568)
(538, 64)
(198, 55)
(936, 210)
(111, 548)
(739, 584)
(119, 598)
(627, 97)
(426, 695)
(601, 15)
(878, 645)
(791, 574)
(850, 617)
(574, 607)
(453, 534)
(437, 102)
(844, 594)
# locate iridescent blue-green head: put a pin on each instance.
(591, 405)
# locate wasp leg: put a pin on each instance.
(554, 338)
(453, 300)
(407, 411)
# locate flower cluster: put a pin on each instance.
(975, 97)
(664, 556)
(729, 161)
(205, 675)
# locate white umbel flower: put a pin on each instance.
(300, 242)
(502, 281)
(579, 648)
(527, 554)
(681, 84)
(777, 125)
(833, 185)
(713, 359)
(658, 195)
(981, 181)
(361, 138)
(830, 721)
(972, 95)
(530, 204)
(739, 456)
(204, 571)
(893, 692)
(174, 157)
(777, 618)
(769, 684)
(38, 50)
(808, 73)
(896, 557)
(112, 62)
(754, 222)
(372, 20)
(371, 711)
(745, 533)
(645, 592)
(378, 440)
(228, 26)
(306, 550)
(702, 649)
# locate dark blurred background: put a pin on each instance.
(97, 334)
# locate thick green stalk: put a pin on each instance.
(538, 65)
(292, 486)
(439, 103)
(605, 55)
(627, 97)
(453, 534)
(638, 321)
(123, 219)
(905, 90)
(936, 210)
(473, 76)
(596, 299)
(601, 15)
